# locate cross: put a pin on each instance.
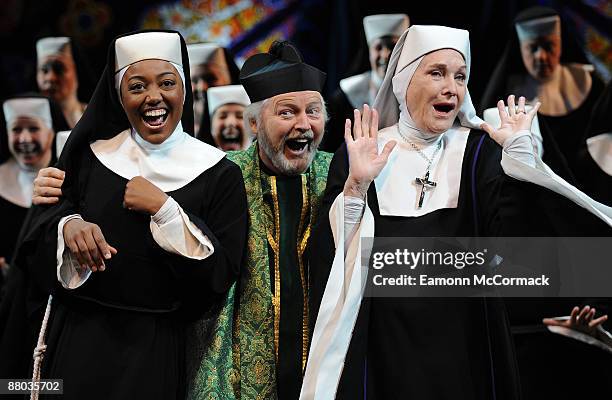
(425, 183)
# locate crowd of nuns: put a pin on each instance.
(542, 62)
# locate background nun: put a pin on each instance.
(421, 348)
(226, 105)
(211, 66)
(169, 205)
(31, 123)
(64, 76)
(382, 32)
(544, 63)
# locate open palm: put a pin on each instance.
(365, 163)
(513, 121)
(580, 320)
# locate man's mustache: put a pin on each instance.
(309, 135)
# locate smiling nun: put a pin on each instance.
(148, 234)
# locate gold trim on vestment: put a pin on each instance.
(301, 247)
(274, 241)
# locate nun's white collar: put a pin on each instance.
(17, 183)
(170, 165)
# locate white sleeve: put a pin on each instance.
(522, 147)
(353, 211)
(69, 271)
(520, 161)
(175, 233)
(341, 300)
(603, 338)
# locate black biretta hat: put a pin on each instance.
(280, 70)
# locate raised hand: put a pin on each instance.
(143, 196)
(365, 163)
(514, 120)
(48, 186)
(580, 320)
(86, 242)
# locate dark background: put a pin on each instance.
(329, 33)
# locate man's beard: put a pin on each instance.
(277, 157)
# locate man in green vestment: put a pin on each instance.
(259, 344)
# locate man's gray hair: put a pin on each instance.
(253, 112)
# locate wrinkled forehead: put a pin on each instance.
(445, 56)
(301, 97)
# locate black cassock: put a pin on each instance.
(437, 348)
(122, 333)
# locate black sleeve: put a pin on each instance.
(505, 206)
(224, 222)
(38, 239)
(513, 208)
(509, 207)
(351, 381)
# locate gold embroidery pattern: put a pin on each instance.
(301, 247)
(274, 240)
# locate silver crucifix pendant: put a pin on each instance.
(425, 184)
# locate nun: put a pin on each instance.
(211, 66)
(432, 171)
(63, 75)
(382, 32)
(148, 234)
(544, 63)
(226, 105)
(30, 132)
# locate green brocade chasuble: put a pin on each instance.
(258, 330)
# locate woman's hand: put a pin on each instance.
(513, 121)
(364, 161)
(86, 242)
(48, 186)
(580, 320)
(143, 196)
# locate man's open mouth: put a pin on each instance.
(155, 118)
(298, 146)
